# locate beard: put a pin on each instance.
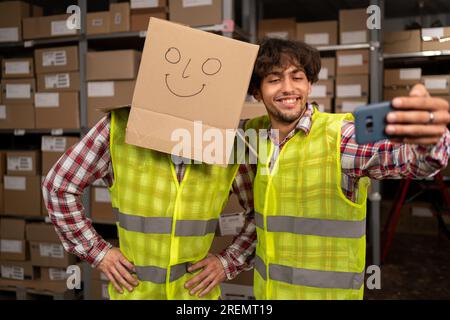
(286, 117)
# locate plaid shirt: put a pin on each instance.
(90, 160)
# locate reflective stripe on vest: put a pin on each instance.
(159, 225)
(158, 275)
(310, 278)
(314, 227)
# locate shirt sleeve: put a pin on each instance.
(385, 159)
(63, 187)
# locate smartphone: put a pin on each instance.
(370, 122)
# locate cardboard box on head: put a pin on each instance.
(189, 76)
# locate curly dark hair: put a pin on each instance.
(279, 53)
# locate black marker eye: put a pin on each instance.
(173, 55)
(211, 66)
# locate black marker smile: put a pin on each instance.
(183, 96)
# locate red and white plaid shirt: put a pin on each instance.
(90, 160)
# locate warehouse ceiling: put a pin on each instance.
(308, 10)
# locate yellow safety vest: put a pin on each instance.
(311, 238)
(163, 225)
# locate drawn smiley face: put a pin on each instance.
(210, 67)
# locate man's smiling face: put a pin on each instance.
(208, 67)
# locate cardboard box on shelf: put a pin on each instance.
(58, 82)
(323, 104)
(50, 254)
(147, 4)
(391, 93)
(437, 84)
(98, 22)
(328, 69)
(14, 250)
(53, 148)
(321, 33)
(53, 60)
(322, 89)
(435, 39)
(18, 91)
(348, 105)
(53, 274)
(350, 62)
(17, 68)
(196, 13)
(17, 189)
(157, 110)
(2, 165)
(12, 228)
(353, 26)
(99, 290)
(402, 77)
(402, 41)
(112, 65)
(119, 17)
(23, 163)
(2, 197)
(101, 208)
(18, 270)
(43, 232)
(107, 94)
(278, 28)
(17, 116)
(47, 27)
(253, 110)
(11, 15)
(352, 86)
(57, 110)
(140, 18)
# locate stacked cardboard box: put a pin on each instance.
(18, 88)
(57, 102)
(101, 207)
(143, 10)
(278, 28)
(435, 39)
(111, 78)
(11, 15)
(437, 84)
(47, 27)
(22, 183)
(196, 13)
(2, 174)
(322, 33)
(398, 82)
(352, 81)
(46, 249)
(13, 246)
(402, 41)
(353, 26)
(117, 19)
(323, 91)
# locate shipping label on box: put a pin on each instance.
(101, 89)
(2, 112)
(59, 28)
(17, 67)
(231, 224)
(11, 246)
(54, 58)
(18, 91)
(350, 60)
(433, 84)
(354, 37)
(56, 274)
(46, 100)
(349, 90)
(12, 272)
(141, 4)
(20, 163)
(57, 81)
(196, 3)
(15, 183)
(54, 144)
(102, 195)
(51, 250)
(9, 34)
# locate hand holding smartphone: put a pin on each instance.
(370, 122)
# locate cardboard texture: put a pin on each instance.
(47, 27)
(59, 110)
(13, 229)
(196, 13)
(177, 86)
(23, 163)
(108, 94)
(119, 17)
(253, 110)
(402, 77)
(101, 208)
(437, 84)
(352, 86)
(352, 62)
(278, 28)
(391, 93)
(41, 232)
(2, 197)
(98, 22)
(53, 148)
(323, 89)
(14, 250)
(348, 105)
(18, 91)
(22, 195)
(328, 69)
(140, 18)
(46, 254)
(353, 26)
(402, 41)
(112, 65)
(11, 15)
(433, 39)
(17, 116)
(52, 60)
(321, 33)
(58, 82)
(323, 104)
(18, 270)
(17, 68)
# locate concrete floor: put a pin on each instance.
(417, 267)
